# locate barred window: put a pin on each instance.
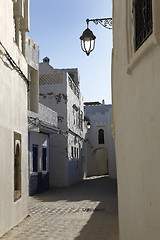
(143, 21)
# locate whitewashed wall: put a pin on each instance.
(136, 118)
(13, 118)
(101, 157)
(56, 93)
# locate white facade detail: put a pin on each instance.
(100, 151)
(59, 90)
(42, 122)
(13, 117)
(136, 116)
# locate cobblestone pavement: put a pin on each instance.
(87, 211)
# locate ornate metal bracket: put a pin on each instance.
(105, 22)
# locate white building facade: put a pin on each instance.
(100, 151)
(136, 116)
(41, 126)
(42, 122)
(14, 22)
(59, 90)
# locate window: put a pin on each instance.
(75, 152)
(35, 158)
(32, 96)
(143, 21)
(76, 115)
(44, 158)
(81, 120)
(101, 136)
(17, 166)
(72, 152)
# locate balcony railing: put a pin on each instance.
(73, 86)
(46, 120)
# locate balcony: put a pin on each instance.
(46, 120)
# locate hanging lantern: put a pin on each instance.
(87, 41)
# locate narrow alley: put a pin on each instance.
(87, 211)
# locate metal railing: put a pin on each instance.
(73, 86)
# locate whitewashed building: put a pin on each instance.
(99, 151)
(42, 122)
(59, 90)
(40, 125)
(136, 116)
(14, 22)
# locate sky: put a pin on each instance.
(56, 26)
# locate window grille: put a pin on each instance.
(143, 21)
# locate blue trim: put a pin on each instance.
(44, 164)
(38, 183)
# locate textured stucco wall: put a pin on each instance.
(75, 144)
(101, 157)
(13, 108)
(45, 115)
(136, 117)
(32, 53)
(61, 98)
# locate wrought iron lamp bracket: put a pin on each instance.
(105, 22)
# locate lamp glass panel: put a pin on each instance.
(88, 45)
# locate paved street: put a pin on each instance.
(87, 211)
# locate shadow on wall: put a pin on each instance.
(74, 171)
(98, 164)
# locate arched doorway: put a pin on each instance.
(98, 163)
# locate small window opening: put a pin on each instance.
(75, 152)
(72, 152)
(101, 136)
(35, 158)
(44, 159)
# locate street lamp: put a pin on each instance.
(88, 38)
(88, 125)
